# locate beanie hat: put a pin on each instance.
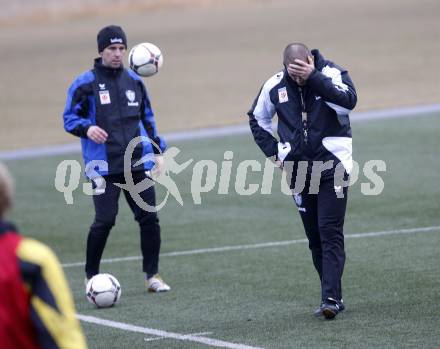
(110, 35)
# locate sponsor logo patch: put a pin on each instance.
(104, 97)
(282, 95)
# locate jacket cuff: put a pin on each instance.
(84, 131)
(313, 75)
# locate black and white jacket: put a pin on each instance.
(325, 101)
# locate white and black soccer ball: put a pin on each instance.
(145, 59)
(103, 290)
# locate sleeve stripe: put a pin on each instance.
(338, 109)
(56, 326)
(31, 274)
(264, 110)
(74, 122)
(149, 123)
(45, 338)
(341, 147)
(335, 74)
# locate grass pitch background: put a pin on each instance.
(216, 56)
(264, 297)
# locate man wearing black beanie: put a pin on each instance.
(107, 107)
(110, 35)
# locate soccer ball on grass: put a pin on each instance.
(103, 290)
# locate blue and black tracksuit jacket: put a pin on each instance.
(117, 101)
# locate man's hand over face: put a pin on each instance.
(301, 69)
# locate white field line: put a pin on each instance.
(261, 245)
(212, 132)
(198, 337)
(164, 334)
(152, 339)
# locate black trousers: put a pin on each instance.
(323, 216)
(106, 209)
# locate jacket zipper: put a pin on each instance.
(303, 116)
(120, 114)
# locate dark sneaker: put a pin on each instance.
(341, 305)
(318, 311)
(331, 307)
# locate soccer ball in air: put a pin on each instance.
(145, 59)
(103, 290)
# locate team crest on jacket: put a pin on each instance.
(131, 96)
(282, 95)
(298, 199)
(299, 202)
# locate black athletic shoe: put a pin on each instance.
(318, 311)
(331, 307)
(341, 305)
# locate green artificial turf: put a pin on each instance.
(263, 297)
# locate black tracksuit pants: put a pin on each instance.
(323, 216)
(106, 209)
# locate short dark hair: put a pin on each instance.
(294, 51)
